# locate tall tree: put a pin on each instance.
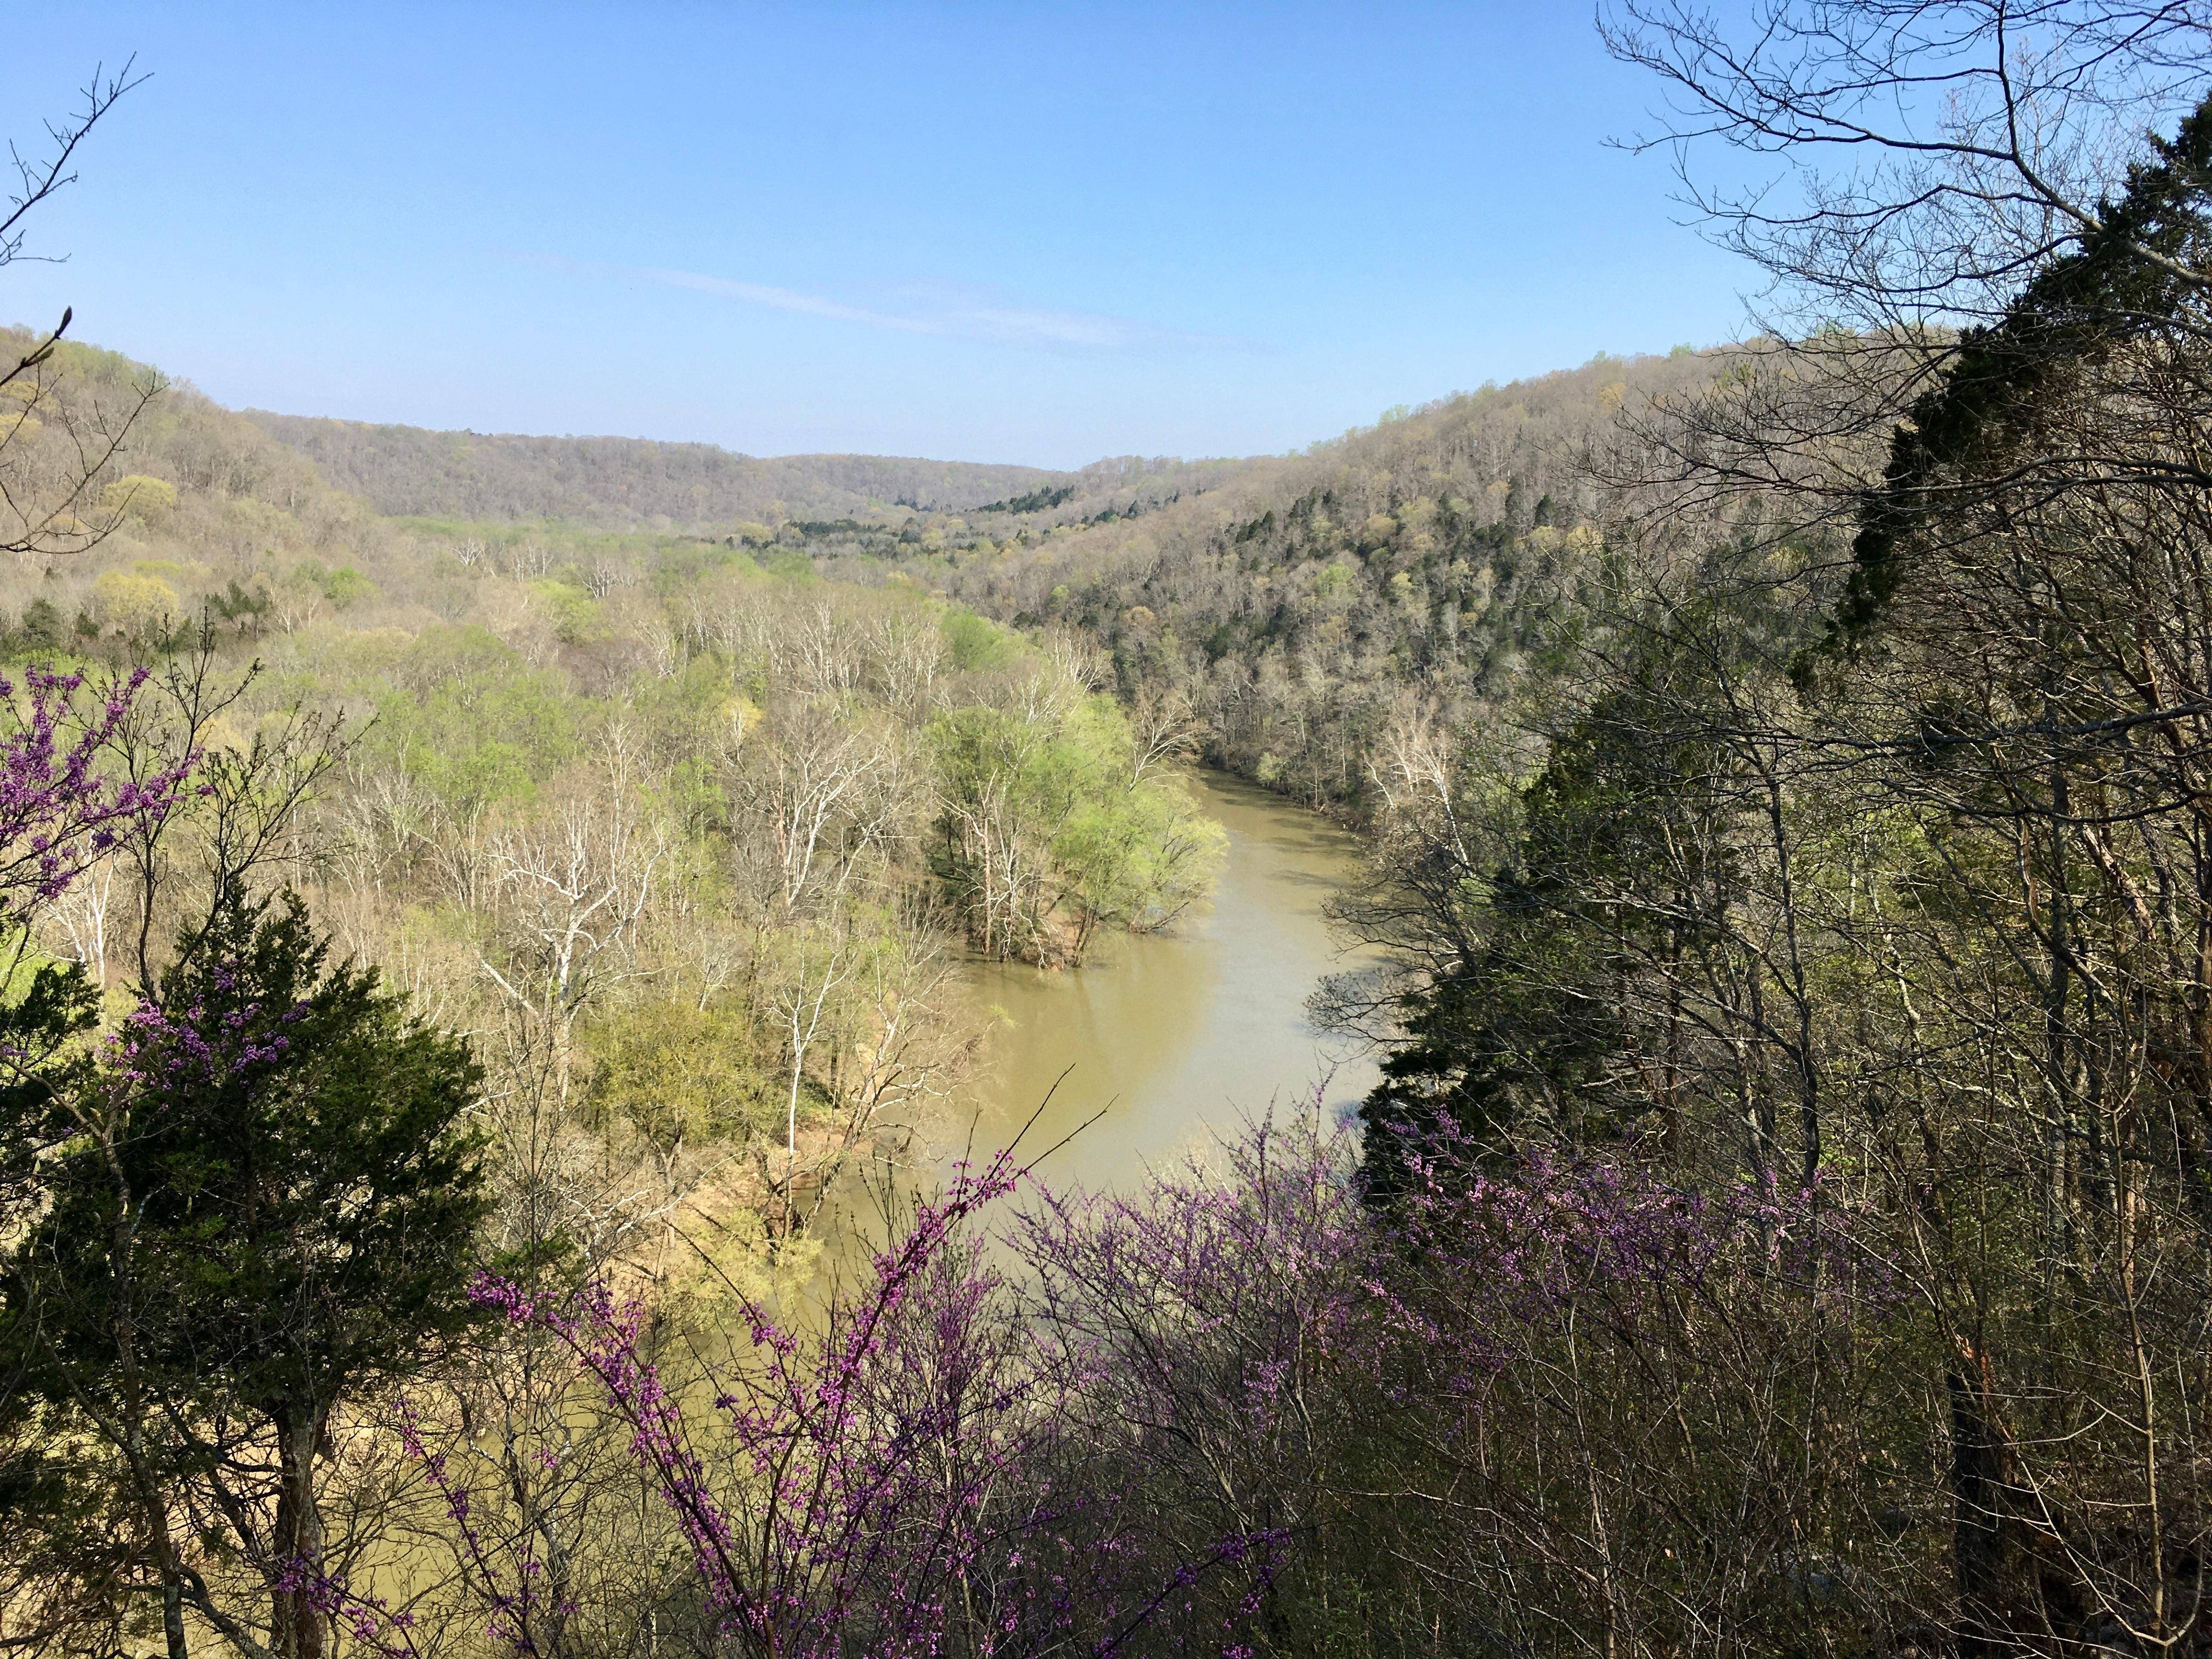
(261, 1203)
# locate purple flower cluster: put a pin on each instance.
(850, 1465)
(57, 813)
(159, 1053)
(859, 1484)
(1258, 1260)
(374, 1627)
(174, 1047)
(513, 1588)
(945, 1444)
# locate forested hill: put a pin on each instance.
(1300, 600)
(611, 482)
(1295, 602)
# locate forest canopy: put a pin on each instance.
(463, 964)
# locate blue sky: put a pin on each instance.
(1039, 232)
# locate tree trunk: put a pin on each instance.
(297, 1626)
(1977, 1539)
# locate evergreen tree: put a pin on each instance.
(259, 1202)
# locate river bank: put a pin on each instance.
(1162, 1037)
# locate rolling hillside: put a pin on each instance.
(615, 482)
(1297, 600)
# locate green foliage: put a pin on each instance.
(472, 721)
(1139, 850)
(241, 607)
(40, 628)
(1050, 832)
(975, 644)
(682, 1075)
(147, 499)
(141, 609)
(302, 1197)
(1039, 499)
(256, 1204)
(346, 587)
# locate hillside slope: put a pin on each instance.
(1299, 601)
(202, 507)
(395, 525)
(1297, 608)
(406, 471)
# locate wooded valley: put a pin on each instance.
(491, 921)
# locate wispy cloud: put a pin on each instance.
(946, 311)
(783, 299)
(1079, 328)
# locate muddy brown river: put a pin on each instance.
(1171, 1036)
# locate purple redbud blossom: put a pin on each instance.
(56, 813)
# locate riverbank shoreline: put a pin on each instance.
(1164, 1037)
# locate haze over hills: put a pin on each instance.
(1291, 602)
(1301, 598)
(1291, 597)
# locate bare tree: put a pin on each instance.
(1933, 154)
(1900, 170)
(55, 448)
(573, 885)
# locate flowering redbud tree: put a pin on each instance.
(59, 812)
(1204, 1320)
(1610, 1404)
(890, 1475)
(1233, 1407)
(1448, 1405)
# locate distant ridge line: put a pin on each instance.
(409, 471)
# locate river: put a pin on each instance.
(1172, 1035)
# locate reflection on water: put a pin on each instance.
(1173, 1032)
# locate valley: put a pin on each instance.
(1577, 1022)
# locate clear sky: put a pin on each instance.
(1039, 232)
